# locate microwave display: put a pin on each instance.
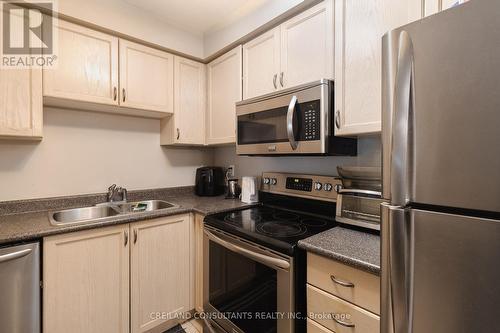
(270, 126)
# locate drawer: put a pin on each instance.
(314, 327)
(322, 307)
(330, 275)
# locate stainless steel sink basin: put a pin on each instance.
(144, 206)
(106, 210)
(85, 214)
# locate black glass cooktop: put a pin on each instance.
(275, 228)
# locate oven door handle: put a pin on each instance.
(356, 191)
(250, 254)
(289, 122)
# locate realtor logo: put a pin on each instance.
(28, 34)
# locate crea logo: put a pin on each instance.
(28, 34)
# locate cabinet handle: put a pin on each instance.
(123, 93)
(115, 93)
(341, 322)
(178, 134)
(126, 238)
(275, 77)
(337, 119)
(342, 282)
(281, 79)
(135, 236)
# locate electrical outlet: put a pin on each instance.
(230, 171)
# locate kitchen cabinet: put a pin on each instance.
(86, 68)
(187, 124)
(21, 105)
(160, 270)
(359, 27)
(198, 259)
(86, 281)
(146, 78)
(307, 46)
(333, 287)
(224, 87)
(298, 51)
(261, 64)
(99, 72)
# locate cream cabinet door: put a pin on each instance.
(359, 27)
(160, 270)
(146, 78)
(21, 105)
(87, 66)
(187, 125)
(86, 281)
(224, 87)
(307, 46)
(261, 64)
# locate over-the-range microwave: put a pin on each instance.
(297, 120)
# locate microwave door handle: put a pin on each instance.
(289, 122)
(247, 253)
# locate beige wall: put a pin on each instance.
(127, 19)
(84, 152)
(369, 154)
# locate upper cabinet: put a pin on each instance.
(307, 46)
(298, 51)
(261, 64)
(187, 125)
(146, 78)
(100, 72)
(359, 27)
(21, 106)
(224, 90)
(87, 66)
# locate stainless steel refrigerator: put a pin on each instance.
(441, 173)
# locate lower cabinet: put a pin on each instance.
(341, 298)
(160, 271)
(86, 281)
(126, 278)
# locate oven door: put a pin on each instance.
(292, 121)
(246, 287)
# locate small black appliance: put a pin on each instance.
(209, 181)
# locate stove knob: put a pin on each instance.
(328, 187)
(318, 186)
(273, 181)
(266, 180)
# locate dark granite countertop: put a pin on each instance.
(27, 220)
(355, 248)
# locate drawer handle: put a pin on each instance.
(343, 283)
(341, 322)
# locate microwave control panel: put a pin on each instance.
(310, 116)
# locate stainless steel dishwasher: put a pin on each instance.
(20, 288)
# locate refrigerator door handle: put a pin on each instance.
(397, 270)
(401, 156)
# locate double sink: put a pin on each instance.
(104, 211)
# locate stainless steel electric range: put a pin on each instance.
(254, 273)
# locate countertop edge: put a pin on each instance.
(353, 262)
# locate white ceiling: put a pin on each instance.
(198, 16)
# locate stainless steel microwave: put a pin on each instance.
(297, 120)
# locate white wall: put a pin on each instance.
(127, 19)
(230, 31)
(369, 154)
(85, 152)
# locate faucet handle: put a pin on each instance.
(112, 187)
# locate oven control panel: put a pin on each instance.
(307, 186)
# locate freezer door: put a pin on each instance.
(441, 105)
(440, 272)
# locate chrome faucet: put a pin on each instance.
(117, 194)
